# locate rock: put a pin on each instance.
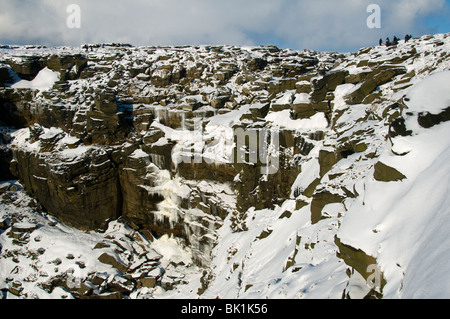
(357, 259)
(4, 75)
(5, 223)
(114, 261)
(120, 284)
(259, 110)
(257, 64)
(204, 171)
(16, 288)
(428, 120)
(99, 278)
(105, 101)
(283, 103)
(24, 227)
(101, 245)
(326, 84)
(70, 66)
(27, 67)
(398, 127)
(136, 184)
(303, 87)
(161, 77)
(319, 201)
(82, 190)
(327, 159)
(86, 288)
(385, 173)
(374, 79)
(357, 77)
(146, 282)
(218, 102)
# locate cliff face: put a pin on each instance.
(224, 147)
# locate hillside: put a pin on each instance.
(221, 171)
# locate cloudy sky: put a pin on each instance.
(329, 25)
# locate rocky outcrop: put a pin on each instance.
(4, 75)
(70, 66)
(82, 190)
(379, 76)
(27, 67)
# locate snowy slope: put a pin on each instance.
(402, 224)
(410, 217)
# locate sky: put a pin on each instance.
(321, 25)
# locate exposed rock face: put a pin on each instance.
(83, 191)
(4, 75)
(27, 67)
(69, 65)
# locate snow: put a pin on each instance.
(283, 119)
(172, 250)
(75, 152)
(51, 133)
(43, 81)
(285, 99)
(410, 241)
(430, 95)
(302, 98)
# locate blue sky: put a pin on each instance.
(322, 25)
(440, 22)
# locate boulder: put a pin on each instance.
(24, 227)
(428, 120)
(5, 223)
(114, 261)
(385, 173)
(259, 110)
(121, 284)
(161, 77)
(146, 282)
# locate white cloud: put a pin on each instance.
(319, 24)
